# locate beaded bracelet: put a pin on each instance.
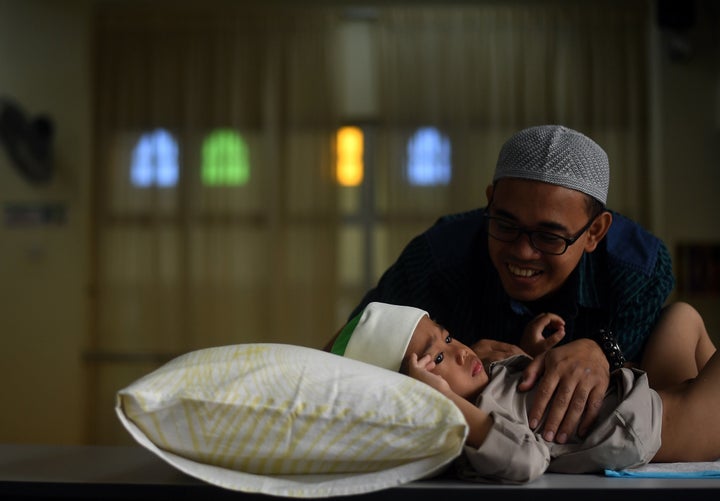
(611, 349)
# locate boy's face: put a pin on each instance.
(453, 361)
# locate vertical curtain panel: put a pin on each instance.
(235, 244)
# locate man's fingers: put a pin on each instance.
(573, 409)
(557, 400)
(571, 389)
(532, 373)
(592, 410)
(573, 414)
(544, 394)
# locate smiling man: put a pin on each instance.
(545, 242)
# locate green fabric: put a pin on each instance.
(346, 333)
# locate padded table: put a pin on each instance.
(133, 473)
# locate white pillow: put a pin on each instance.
(291, 421)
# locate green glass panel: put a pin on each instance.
(225, 159)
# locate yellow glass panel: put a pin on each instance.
(350, 144)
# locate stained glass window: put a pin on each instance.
(225, 159)
(349, 170)
(428, 154)
(155, 160)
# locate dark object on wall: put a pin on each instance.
(27, 142)
(34, 214)
(676, 19)
(676, 15)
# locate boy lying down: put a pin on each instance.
(636, 425)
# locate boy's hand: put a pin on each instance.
(420, 370)
(534, 341)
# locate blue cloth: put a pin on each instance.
(670, 470)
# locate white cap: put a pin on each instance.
(379, 335)
(557, 155)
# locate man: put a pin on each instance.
(544, 243)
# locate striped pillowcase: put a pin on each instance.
(292, 421)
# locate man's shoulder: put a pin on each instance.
(630, 245)
(459, 219)
(455, 236)
(457, 227)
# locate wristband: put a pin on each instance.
(611, 349)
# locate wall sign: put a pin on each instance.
(25, 215)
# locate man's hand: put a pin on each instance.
(575, 377)
(489, 350)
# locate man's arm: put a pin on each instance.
(638, 312)
(641, 283)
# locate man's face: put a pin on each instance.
(453, 361)
(526, 273)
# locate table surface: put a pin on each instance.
(98, 472)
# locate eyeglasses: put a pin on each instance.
(543, 241)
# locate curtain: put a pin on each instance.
(188, 263)
(482, 72)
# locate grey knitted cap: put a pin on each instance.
(557, 155)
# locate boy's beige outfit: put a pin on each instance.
(625, 435)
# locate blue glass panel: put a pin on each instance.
(428, 154)
(155, 160)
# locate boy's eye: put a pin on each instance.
(439, 358)
(448, 340)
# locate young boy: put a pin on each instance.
(636, 424)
